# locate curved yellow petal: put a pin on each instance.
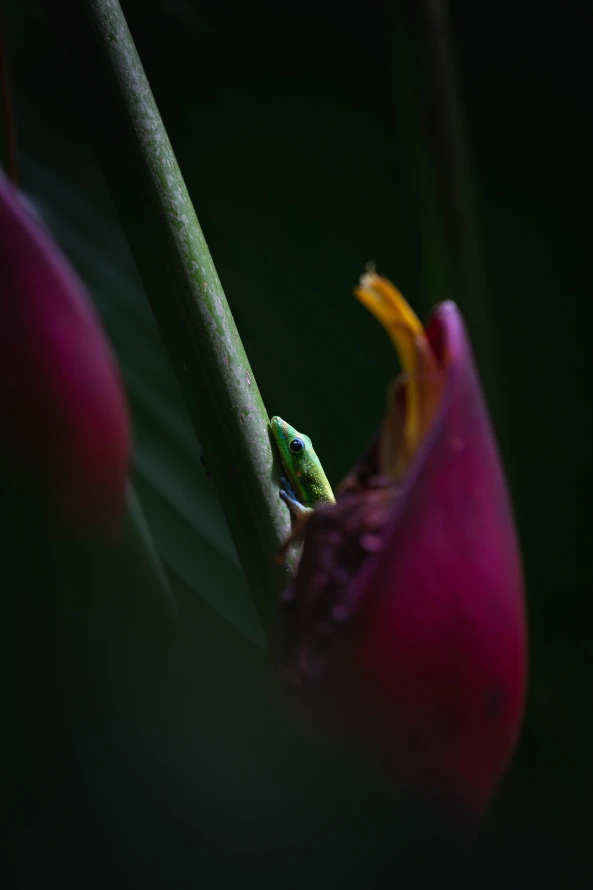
(422, 377)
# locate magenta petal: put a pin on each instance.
(64, 415)
(434, 659)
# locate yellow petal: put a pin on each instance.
(421, 375)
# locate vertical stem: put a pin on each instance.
(185, 292)
(424, 64)
(8, 140)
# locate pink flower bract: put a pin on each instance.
(406, 616)
(65, 422)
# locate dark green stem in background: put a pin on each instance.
(429, 99)
(8, 140)
(186, 296)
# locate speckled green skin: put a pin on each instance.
(304, 470)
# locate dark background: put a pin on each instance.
(292, 135)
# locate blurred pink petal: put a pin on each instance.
(65, 424)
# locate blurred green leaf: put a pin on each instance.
(180, 500)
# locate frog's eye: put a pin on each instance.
(296, 445)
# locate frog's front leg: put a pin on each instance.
(288, 495)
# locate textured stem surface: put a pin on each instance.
(188, 302)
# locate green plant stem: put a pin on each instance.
(428, 94)
(8, 138)
(187, 299)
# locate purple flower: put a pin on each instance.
(65, 429)
(405, 622)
